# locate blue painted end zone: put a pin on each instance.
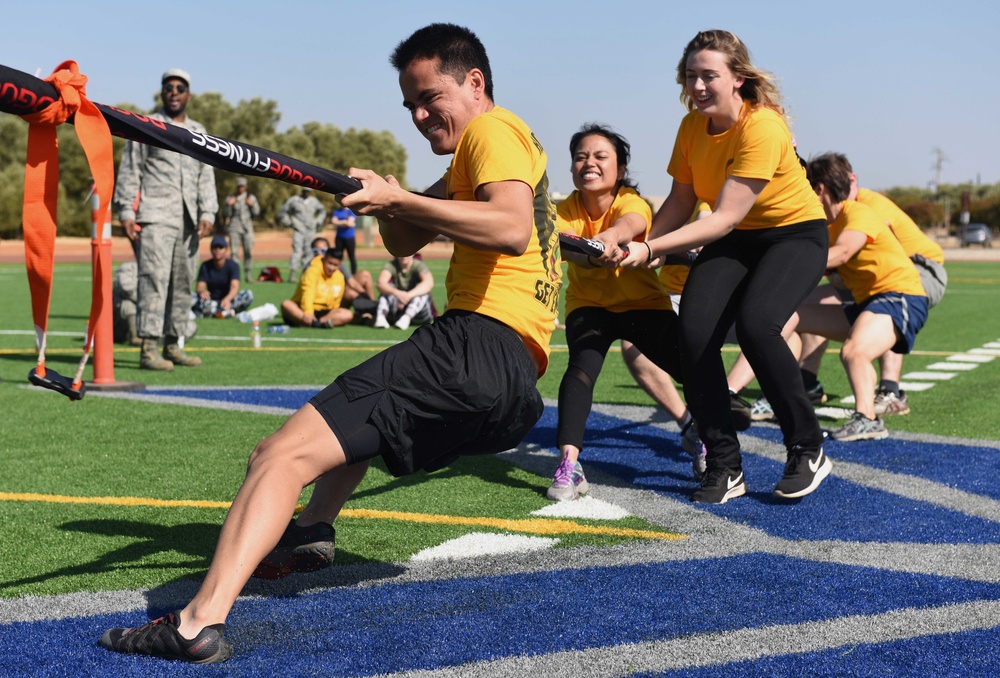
(963, 467)
(972, 653)
(361, 631)
(652, 458)
(292, 399)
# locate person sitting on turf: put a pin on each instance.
(890, 303)
(319, 299)
(359, 290)
(218, 292)
(405, 284)
(465, 384)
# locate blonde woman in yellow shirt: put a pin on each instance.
(764, 250)
(605, 303)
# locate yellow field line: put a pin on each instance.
(200, 349)
(531, 525)
(311, 349)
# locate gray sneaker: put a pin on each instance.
(888, 403)
(568, 482)
(761, 410)
(860, 427)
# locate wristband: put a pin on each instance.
(649, 252)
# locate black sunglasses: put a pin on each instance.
(180, 89)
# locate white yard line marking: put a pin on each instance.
(949, 365)
(477, 544)
(915, 385)
(931, 376)
(966, 358)
(584, 507)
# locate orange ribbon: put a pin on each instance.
(41, 187)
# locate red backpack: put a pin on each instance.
(269, 274)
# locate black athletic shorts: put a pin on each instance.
(463, 385)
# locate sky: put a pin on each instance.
(890, 83)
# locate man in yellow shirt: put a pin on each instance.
(318, 300)
(889, 305)
(928, 258)
(465, 384)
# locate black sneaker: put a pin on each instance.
(300, 549)
(816, 394)
(719, 485)
(740, 410)
(804, 471)
(159, 638)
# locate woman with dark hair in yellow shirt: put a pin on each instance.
(604, 302)
(764, 250)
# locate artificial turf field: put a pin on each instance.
(111, 507)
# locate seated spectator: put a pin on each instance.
(405, 284)
(319, 246)
(218, 291)
(360, 290)
(320, 298)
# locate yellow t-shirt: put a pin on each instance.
(519, 291)
(616, 289)
(881, 265)
(913, 240)
(758, 146)
(316, 291)
(675, 276)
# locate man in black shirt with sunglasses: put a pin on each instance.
(166, 202)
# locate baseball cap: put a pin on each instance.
(177, 73)
(241, 181)
(219, 241)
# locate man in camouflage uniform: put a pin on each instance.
(304, 214)
(166, 201)
(240, 210)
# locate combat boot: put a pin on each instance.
(133, 338)
(173, 353)
(150, 358)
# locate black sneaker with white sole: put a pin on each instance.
(301, 549)
(719, 485)
(160, 638)
(804, 471)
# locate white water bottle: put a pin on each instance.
(255, 334)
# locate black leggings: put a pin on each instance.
(348, 245)
(590, 331)
(756, 278)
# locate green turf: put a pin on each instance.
(104, 447)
